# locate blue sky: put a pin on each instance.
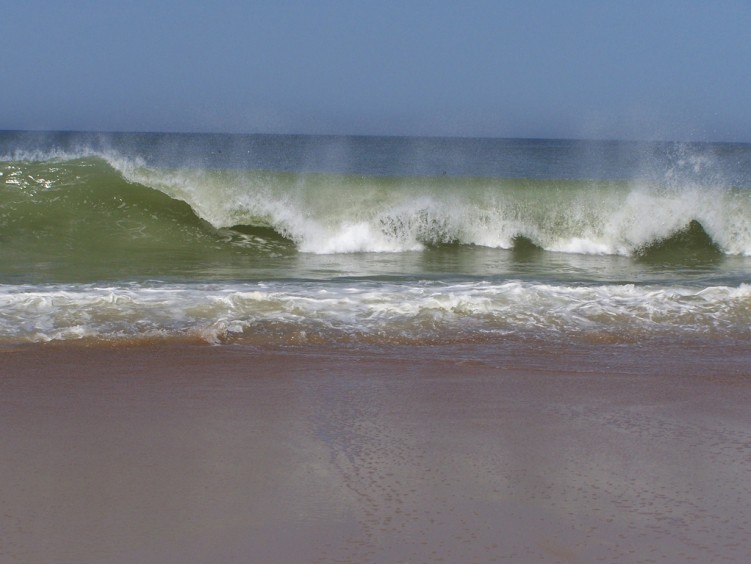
(637, 69)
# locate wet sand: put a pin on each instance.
(189, 453)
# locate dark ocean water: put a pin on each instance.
(298, 239)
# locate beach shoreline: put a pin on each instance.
(191, 453)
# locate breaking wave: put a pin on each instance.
(73, 200)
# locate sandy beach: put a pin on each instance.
(190, 453)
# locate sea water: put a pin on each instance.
(282, 240)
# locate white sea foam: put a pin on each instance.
(388, 311)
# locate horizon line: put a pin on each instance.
(370, 135)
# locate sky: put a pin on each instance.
(658, 69)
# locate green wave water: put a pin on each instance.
(82, 218)
(112, 218)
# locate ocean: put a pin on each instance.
(286, 240)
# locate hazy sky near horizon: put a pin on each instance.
(659, 69)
